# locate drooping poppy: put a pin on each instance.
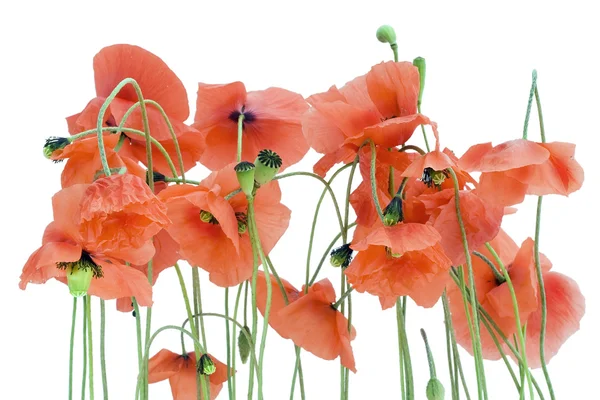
(271, 120)
(565, 304)
(519, 167)
(100, 226)
(181, 371)
(157, 82)
(381, 106)
(278, 302)
(406, 259)
(212, 231)
(313, 324)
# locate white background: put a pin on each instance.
(479, 62)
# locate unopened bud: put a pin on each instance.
(244, 344)
(341, 256)
(386, 34)
(206, 366)
(54, 143)
(435, 390)
(392, 214)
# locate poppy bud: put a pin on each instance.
(386, 34)
(206, 216)
(341, 256)
(435, 390)
(244, 344)
(267, 165)
(158, 177)
(206, 366)
(79, 278)
(392, 214)
(419, 62)
(245, 175)
(432, 177)
(54, 143)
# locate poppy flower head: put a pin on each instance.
(270, 119)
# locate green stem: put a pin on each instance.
(405, 359)
(423, 130)
(85, 352)
(412, 147)
(374, 180)
(530, 102)
(473, 299)
(227, 335)
(333, 242)
(347, 371)
(240, 124)
(448, 328)
(430, 359)
(342, 368)
(254, 330)
(233, 339)
(394, 47)
(497, 275)
(103, 349)
(346, 294)
(178, 180)
(71, 347)
(88, 306)
(314, 224)
(138, 331)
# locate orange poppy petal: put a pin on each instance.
(215, 103)
(560, 174)
(163, 365)
(41, 265)
(402, 238)
(345, 154)
(277, 300)
(115, 63)
(512, 154)
(500, 188)
(566, 307)
(481, 221)
(436, 160)
(66, 206)
(392, 132)
(119, 281)
(394, 88)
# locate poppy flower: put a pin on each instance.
(277, 300)
(100, 226)
(313, 324)
(381, 105)
(565, 304)
(181, 372)
(212, 231)
(271, 121)
(406, 259)
(519, 167)
(157, 82)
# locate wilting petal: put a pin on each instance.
(277, 300)
(41, 265)
(345, 154)
(512, 154)
(121, 281)
(500, 188)
(163, 365)
(394, 88)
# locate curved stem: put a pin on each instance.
(71, 347)
(430, 360)
(497, 275)
(529, 102)
(415, 148)
(335, 239)
(103, 349)
(473, 298)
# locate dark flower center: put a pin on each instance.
(249, 116)
(84, 263)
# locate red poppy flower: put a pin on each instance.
(406, 259)
(100, 226)
(565, 304)
(381, 105)
(221, 245)
(519, 167)
(277, 300)
(157, 82)
(180, 370)
(313, 324)
(271, 121)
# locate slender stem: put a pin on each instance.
(473, 299)
(423, 130)
(233, 339)
(346, 294)
(430, 359)
(333, 242)
(497, 274)
(405, 359)
(103, 349)
(347, 371)
(314, 224)
(412, 147)
(196, 276)
(138, 331)
(327, 187)
(342, 368)
(72, 347)
(179, 180)
(240, 124)
(394, 47)
(529, 102)
(448, 328)
(374, 180)
(246, 303)
(85, 352)
(88, 306)
(227, 335)
(254, 330)
(348, 193)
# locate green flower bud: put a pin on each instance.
(206, 366)
(419, 62)
(392, 214)
(80, 274)
(54, 143)
(267, 165)
(386, 34)
(245, 175)
(432, 177)
(206, 216)
(341, 256)
(244, 345)
(435, 390)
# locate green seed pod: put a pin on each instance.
(419, 62)
(386, 34)
(435, 390)
(54, 143)
(245, 175)
(79, 278)
(206, 366)
(244, 345)
(267, 165)
(206, 216)
(392, 214)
